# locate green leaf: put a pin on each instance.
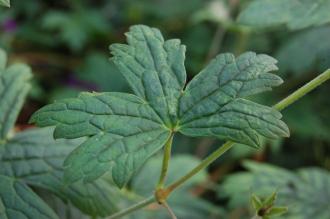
(256, 202)
(63, 210)
(305, 52)
(5, 3)
(211, 105)
(277, 211)
(154, 68)
(34, 157)
(269, 201)
(17, 201)
(14, 85)
(302, 191)
(75, 28)
(125, 132)
(295, 14)
(98, 71)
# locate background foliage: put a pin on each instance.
(66, 44)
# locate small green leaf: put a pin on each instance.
(34, 157)
(125, 132)
(277, 211)
(211, 105)
(14, 85)
(303, 191)
(17, 201)
(154, 68)
(294, 14)
(269, 201)
(5, 3)
(256, 202)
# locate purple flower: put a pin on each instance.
(9, 25)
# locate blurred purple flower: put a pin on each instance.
(73, 81)
(9, 25)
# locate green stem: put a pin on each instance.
(225, 147)
(135, 207)
(201, 166)
(169, 210)
(166, 160)
(303, 90)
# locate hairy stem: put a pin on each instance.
(135, 207)
(166, 160)
(225, 147)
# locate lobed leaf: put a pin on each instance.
(295, 14)
(211, 105)
(17, 201)
(124, 131)
(154, 68)
(34, 157)
(305, 191)
(14, 86)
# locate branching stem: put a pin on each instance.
(225, 147)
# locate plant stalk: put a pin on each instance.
(207, 161)
(135, 207)
(166, 160)
(170, 211)
(303, 90)
(226, 146)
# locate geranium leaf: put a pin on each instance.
(294, 14)
(154, 68)
(14, 85)
(124, 131)
(17, 201)
(34, 157)
(211, 105)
